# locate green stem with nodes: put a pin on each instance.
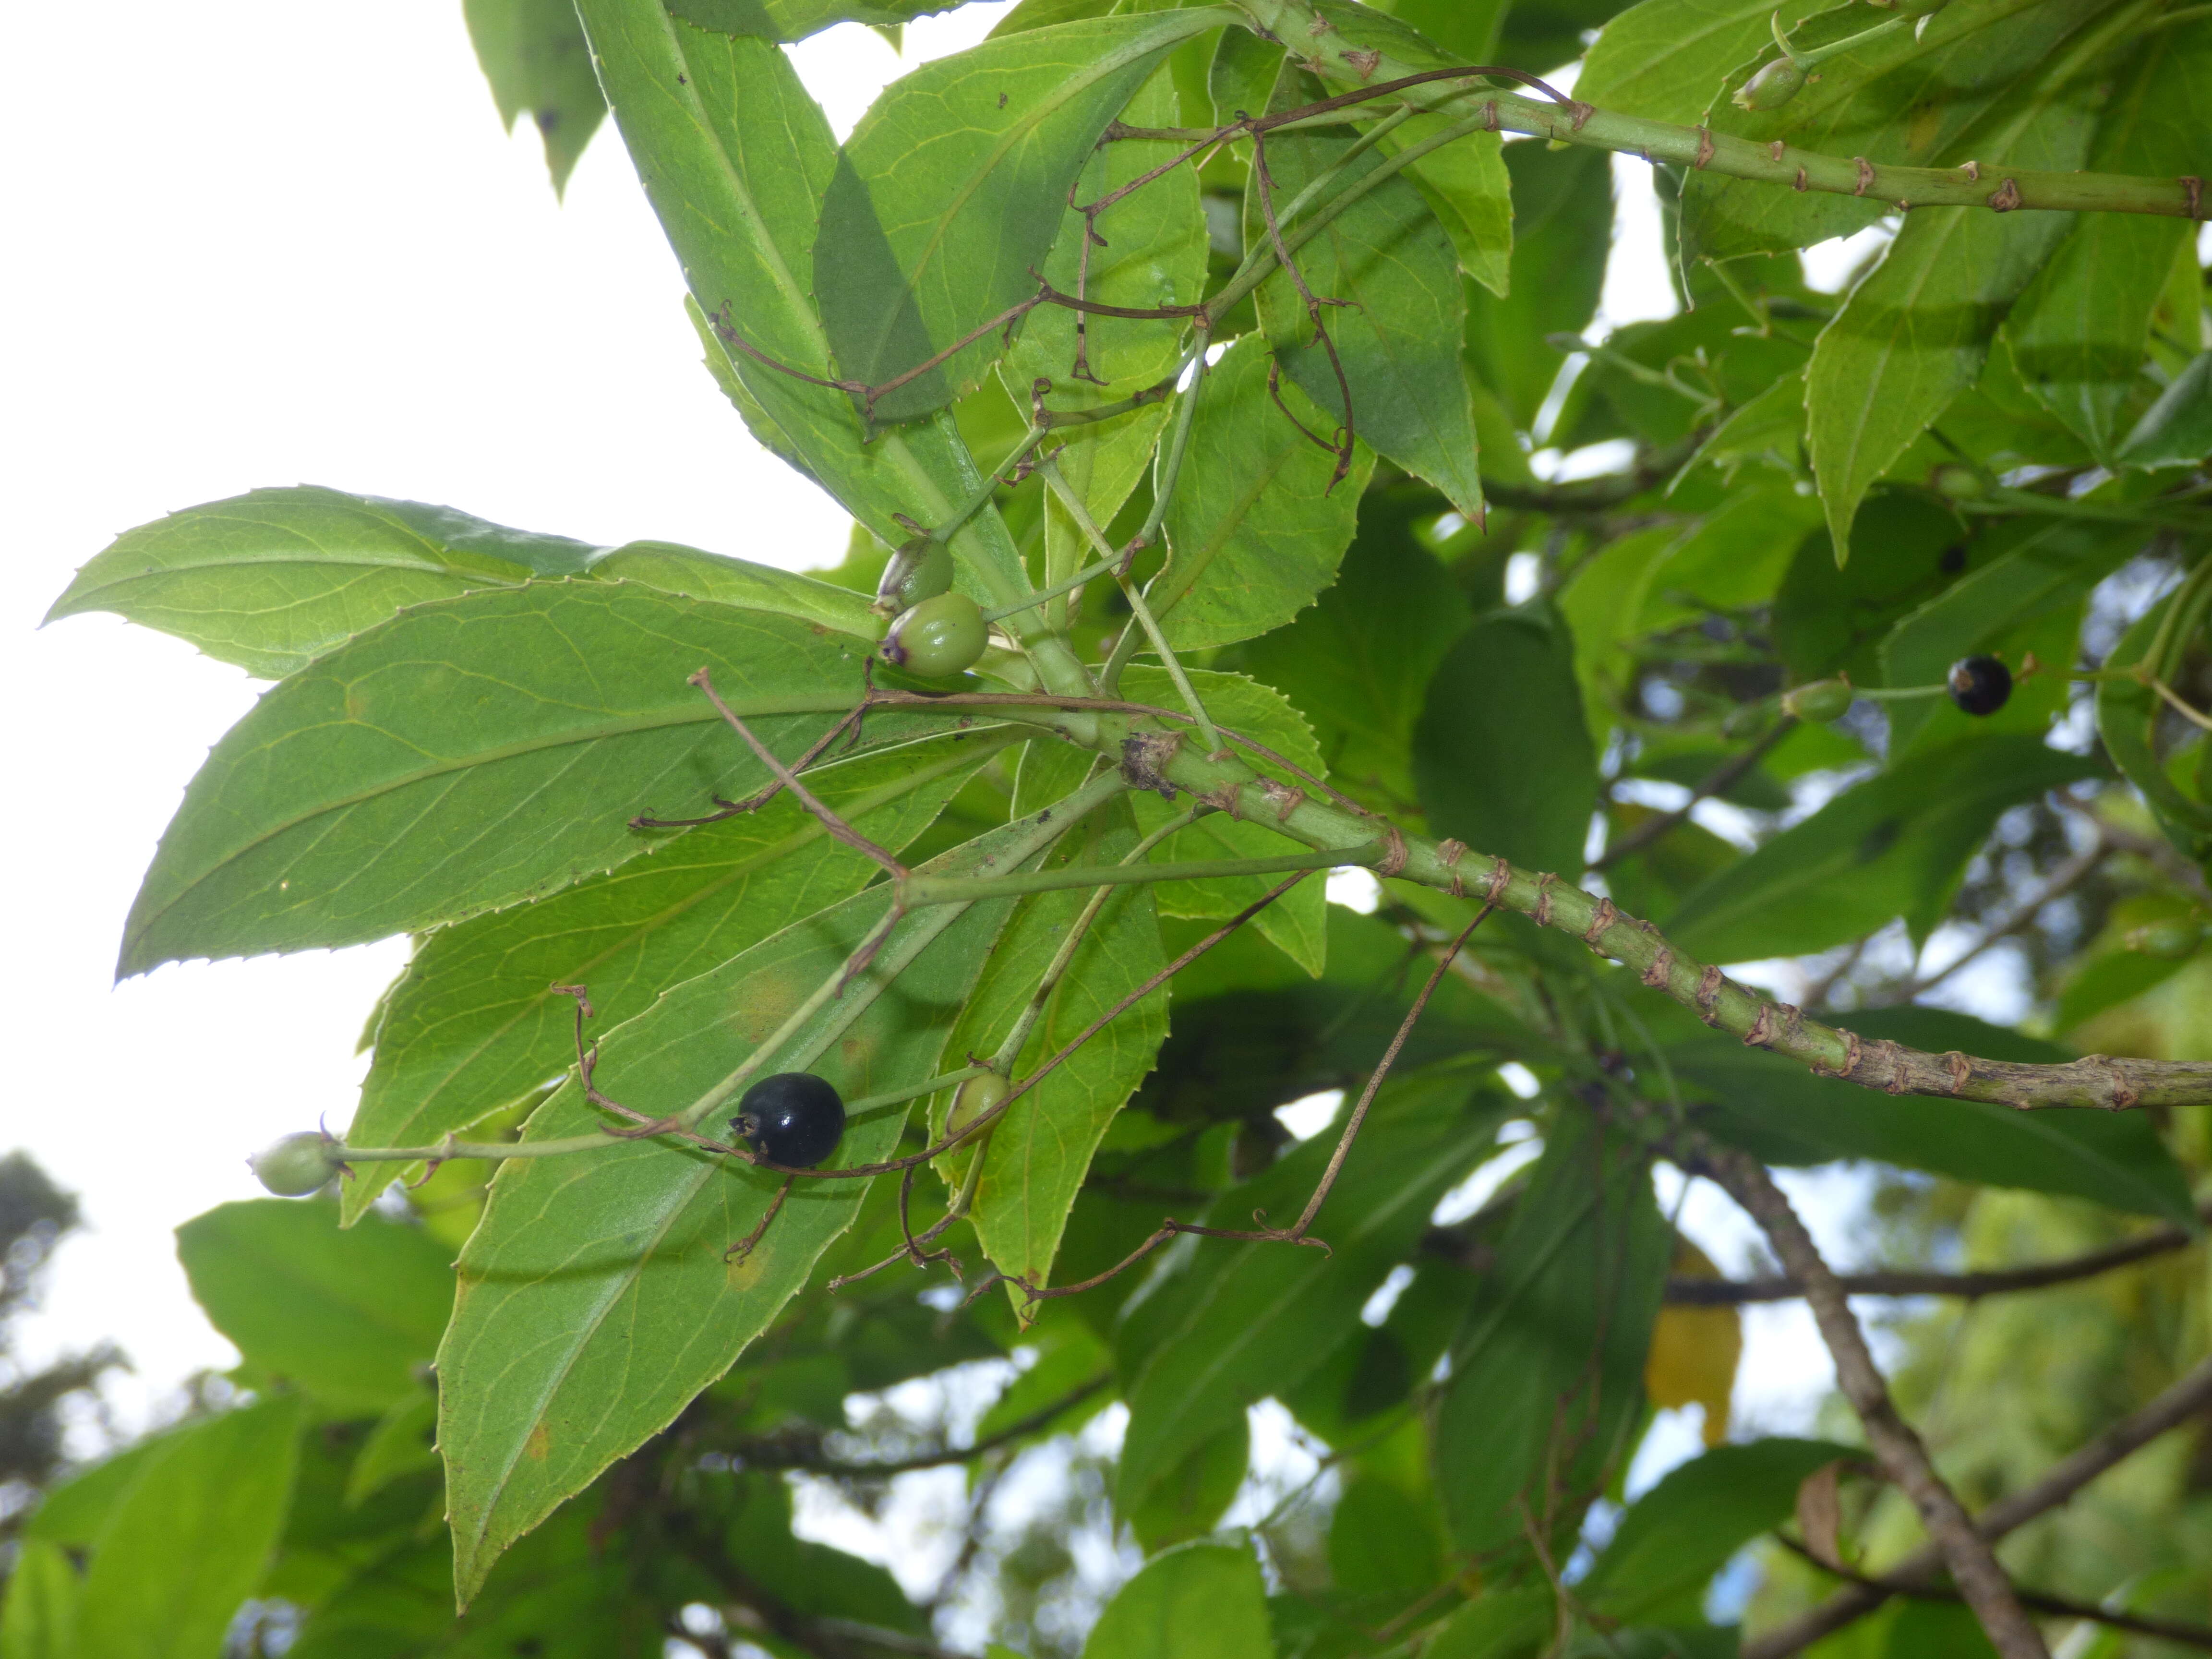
(1171, 473)
(1814, 57)
(2000, 189)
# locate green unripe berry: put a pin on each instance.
(939, 638)
(1818, 699)
(295, 1166)
(1775, 85)
(977, 1095)
(1960, 484)
(2171, 939)
(920, 570)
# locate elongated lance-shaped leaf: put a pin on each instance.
(1241, 1321)
(1916, 331)
(1035, 1159)
(274, 579)
(2078, 334)
(470, 753)
(474, 1025)
(951, 192)
(1397, 338)
(736, 158)
(594, 1299)
(1254, 531)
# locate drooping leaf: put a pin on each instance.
(2078, 333)
(1896, 845)
(474, 1025)
(1502, 753)
(1675, 1537)
(1201, 1601)
(273, 579)
(2130, 716)
(534, 54)
(1916, 331)
(1562, 229)
(1189, 1500)
(1394, 338)
(2177, 429)
(1035, 1161)
(468, 754)
(1778, 1111)
(595, 1299)
(952, 189)
(1255, 530)
(1242, 1321)
(736, 158)
(223, 1485)
(1294, 923)
(346, 1316)
(1357, 664)
(1546, 1375)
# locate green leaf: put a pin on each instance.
(468, 754)
(38, 1619)
(795, 20)
(224, 1485)
(474, 1026)
(1357, 664)
(1546, 1377)
(1500, 1624)
(2130, 716)
(2177, 429)
(594, 1299)
(1381, 1542)
(1295, 923)
(1255, 529)
(534, 54)
(1396, 334)
(952, 191)
(1562, 230)
(1915, 333)
(737, 159)
(347, 1316)
(1675, 1537)
(1777, 1109)
(2079, 332)
(1896, 845)
(1153, 255)
(720, 580)
(273, 579)
(1189, 1500)
(403, 1441)
(1502, 754)
(1666, 60)
(1235, 1321)
(1035, 1159)
(1201, 1601)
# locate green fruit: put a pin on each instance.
(2174, 939)
(1960, 484)
(939, 638)
(920, 570)
(977, 1095)
(1818, 699)
(296, 1165)
(1775, 85)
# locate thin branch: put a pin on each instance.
(789, 780)
(1897, 1447)
(2184, 1400)
(1719, 781)
(769, 1453)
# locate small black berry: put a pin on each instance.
(794, 1118)
(1979, 684)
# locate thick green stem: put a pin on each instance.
(1977, 185)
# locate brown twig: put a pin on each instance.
(731, 809)
(789, 780)
(769, 1453)
(2184, 1400)
(1722, 778)
(1896, 1446)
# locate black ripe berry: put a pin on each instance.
(1980, 685)
(793, 1118)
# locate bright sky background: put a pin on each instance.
(263, 243)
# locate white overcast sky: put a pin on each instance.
(265, 243)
